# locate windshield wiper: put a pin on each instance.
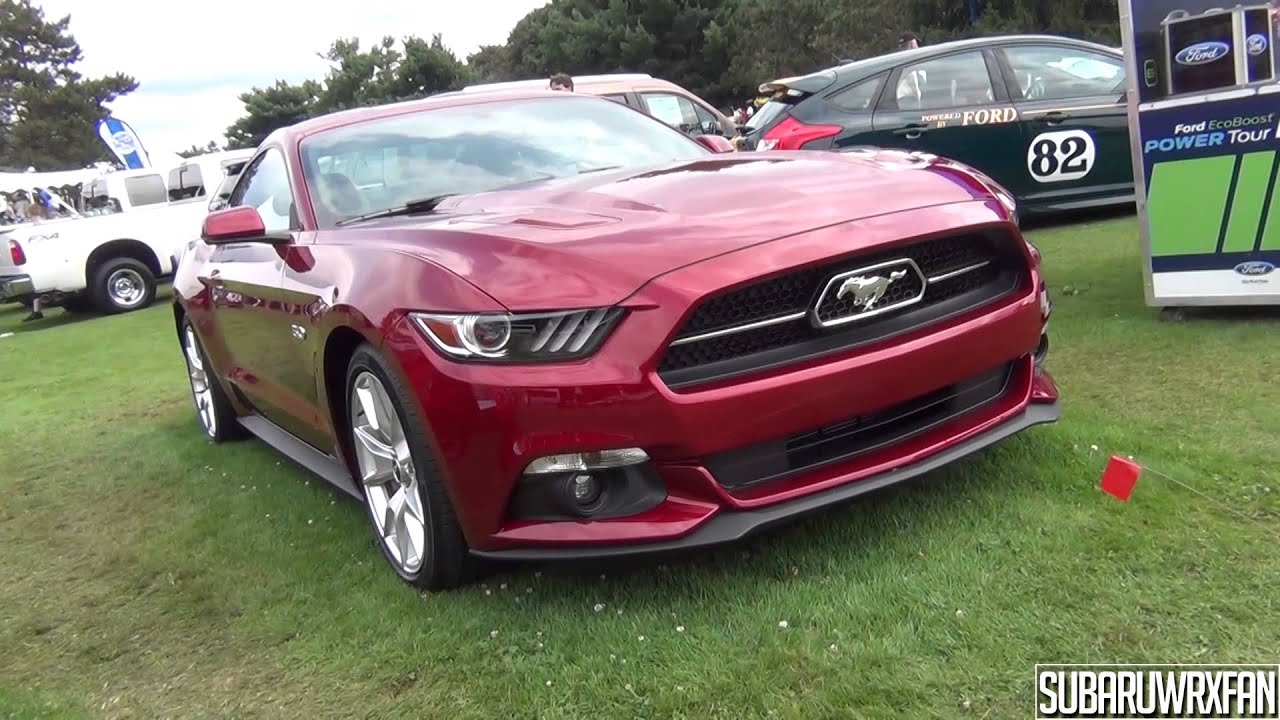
(599, 169)
(413, 207)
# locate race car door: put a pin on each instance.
(1075, 130)
(954, 106)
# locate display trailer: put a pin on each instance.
(1204, 121)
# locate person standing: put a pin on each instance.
(561, 82)
(911, 86)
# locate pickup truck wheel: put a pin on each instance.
(213, 410)
(121, 285)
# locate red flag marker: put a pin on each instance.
(1120, 477)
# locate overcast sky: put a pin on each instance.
(193, 59)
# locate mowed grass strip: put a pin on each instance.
(146, 573)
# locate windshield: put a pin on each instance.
(387, 163)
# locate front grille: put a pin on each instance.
(778, 459)
(770, 322)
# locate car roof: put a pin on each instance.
(292, 134)
(589, 85)
(578, 82)
(880, 63)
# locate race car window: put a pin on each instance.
(265, 186)
(953, 81)
(388, 162)
(1048, 72)
(859, 97)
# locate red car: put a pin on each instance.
(543, 326)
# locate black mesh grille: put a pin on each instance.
(773, 460)
(794, 293)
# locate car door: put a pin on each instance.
(245, 284)
(1071, 104)
(955, 106)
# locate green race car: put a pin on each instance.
(1044, 116)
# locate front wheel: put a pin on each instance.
(122, 284)
(213, 410)
(405, 497)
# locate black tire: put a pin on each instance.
(446, 560)
(220, 414)
(106, 290)
(79, 305)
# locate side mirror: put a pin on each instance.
(715, 143)
(237, 224)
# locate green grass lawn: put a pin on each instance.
(146, 573)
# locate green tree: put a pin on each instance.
(270, 108)
(48, 111)
(386, 72)
(195, 150)
(491, 63)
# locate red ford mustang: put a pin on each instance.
(544, 326)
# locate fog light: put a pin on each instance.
(586, 489)
(587, 461)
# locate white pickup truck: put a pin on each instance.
(111, 263)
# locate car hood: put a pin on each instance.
(594, 239)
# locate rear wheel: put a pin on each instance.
(405, 497)
(122, 284)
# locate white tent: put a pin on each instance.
(10, 182)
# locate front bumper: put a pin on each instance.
(15, 287)
(732, 526)
(487, 422)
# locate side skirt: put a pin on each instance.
(322, 464)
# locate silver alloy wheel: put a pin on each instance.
(390, 480)
(201, 393)
(126, 288)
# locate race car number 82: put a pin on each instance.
(1061, 156)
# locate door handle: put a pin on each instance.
(911, 132)
(1054, 118)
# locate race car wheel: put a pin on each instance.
(405, 498)
(213, 410)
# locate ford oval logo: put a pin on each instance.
(1202, 53)
(1256, 44)
(1255, 267)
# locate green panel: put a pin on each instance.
(1246, 204)
(1271, 234)
(1186, 202)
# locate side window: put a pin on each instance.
(676, 111)
(958, 80)
(145, 190)
(185, 182)
(620, 99)
(265, 186)
(1049, 72)
(858, 97)
(708, 124)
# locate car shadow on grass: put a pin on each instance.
(1075, 217)
(12, 317)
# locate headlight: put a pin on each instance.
(529, 337)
